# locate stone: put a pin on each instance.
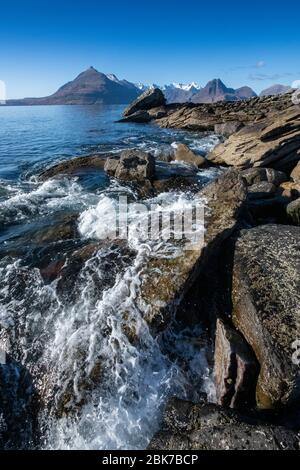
(73, 165)
(293, 211)
(151, 98)
(184, 154)
(140, 117)
(131, 165)
(235, 369)
(228, 128)
(166, 280)
(290, 189)
(187, 426)
(266, 307)
(258, 175)
(272, 142)
(295, 174)
(261, 190)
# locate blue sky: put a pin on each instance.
(45, 44)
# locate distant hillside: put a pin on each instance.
(90, 87)
(215, 90)
(276, 90)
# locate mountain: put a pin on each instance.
(276, 90)
(90, 87)
(215, 90)
(180, 93)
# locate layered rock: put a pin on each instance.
(184, 154)
(151, 98)
(70, 167)
(266, 307)
(187, 426)
(131, 165)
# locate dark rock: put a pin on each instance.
(261, 190)
(258, 175)
(151, 98)
(236, 368)
(138, 117)
(293, 211)
(268, 209)
(266, 307)
(187, 426)
(184, 154)
(67, 167)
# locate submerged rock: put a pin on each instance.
(266, 307)
(73, 165)
(236, 368)
(151, 98)
(187, 426)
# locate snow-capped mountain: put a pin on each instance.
(174, 92)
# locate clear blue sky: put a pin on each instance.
(47, 43)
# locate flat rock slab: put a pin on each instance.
(266, 307)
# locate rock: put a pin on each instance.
(261, 190)
(268, 209)
(67, 167)
(184, 154)
(272, 142)
(293, 211)
(111, 165)
(187, 426)
(295, 175)
(290, 189)
(235, 370)
(166, 280)
(266, 307)
(132, 165)
(228, 128)
(258, 175)
(140, 116)
(151, 98)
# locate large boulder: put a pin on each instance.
(184, 154)
(152, 98)
(165, 280)
(235, 370)
(271, 142)
(132, 165)
(266, 307)
(188, 426)
(259, 175)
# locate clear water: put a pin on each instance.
(100, 377)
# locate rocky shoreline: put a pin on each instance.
(242, 284)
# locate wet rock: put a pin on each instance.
(151, 98)
(258, 175)
(187, 426)
(111, 165)
(236, 368)
(228, 128)
(184, 154)
(266, 307)
(74, 165)
(133, 165)
(166, 280)
(295, 174)
(293, 211)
